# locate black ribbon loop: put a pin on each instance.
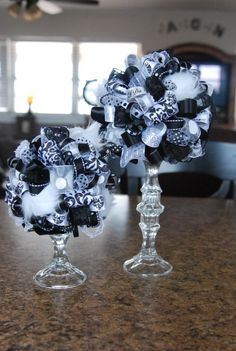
(122, 117)
(173, 66)
(129, 73)
(175, 152)
(153, 155)
(155, 87)
(84, 148)
(79, 166)
(81, 216)
(98, 115)
(187, 108)
(35, 174)
(130, 139)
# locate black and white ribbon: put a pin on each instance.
(165, 100)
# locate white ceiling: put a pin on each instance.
(214, 5)
(222, 5)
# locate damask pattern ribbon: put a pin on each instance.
(160, 102)
(65, 180)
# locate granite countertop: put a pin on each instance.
(192, 309)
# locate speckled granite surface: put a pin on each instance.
(192, 309)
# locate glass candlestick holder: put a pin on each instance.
(147, 263)
(60, 273)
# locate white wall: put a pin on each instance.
(154, 29)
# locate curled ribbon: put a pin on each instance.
(158, 101)
(70, 171)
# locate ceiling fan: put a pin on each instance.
(33, 9)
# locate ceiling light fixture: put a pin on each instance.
(15, 9)
(31, 10)
(32, 13)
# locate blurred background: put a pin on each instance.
(49, 49)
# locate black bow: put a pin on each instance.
(35, 174)
(81, 216)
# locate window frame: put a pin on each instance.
(44, 118)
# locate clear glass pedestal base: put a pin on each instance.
(60, 273)
(54, 277)
(147, 266)
(147, 263)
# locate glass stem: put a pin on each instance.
(150, 209)
(59, 242)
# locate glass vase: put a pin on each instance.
(59, 274)
(147, 263)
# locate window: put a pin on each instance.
(211, 74)
(49, 71)
(218, 75)
(3, 77)
(216, 67)
(43, 70)
(96, 62)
